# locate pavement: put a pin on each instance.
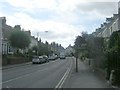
(84, 78)
(15, 65)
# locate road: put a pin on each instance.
(47, 75)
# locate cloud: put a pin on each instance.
(63, 19)
(102, 8)
(57, 31)
(41, 4)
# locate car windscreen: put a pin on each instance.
(35, 57)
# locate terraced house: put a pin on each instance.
(6, 31)
(108, 27)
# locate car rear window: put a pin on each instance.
(40, 57)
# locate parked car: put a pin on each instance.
(36, 59)
(46, 58)
(52, 57)
(56, 56)
(62, 57)
(42, 59)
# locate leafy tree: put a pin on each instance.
(43, 48)
(85, 35)
(35, 50)
(79, 42)
(19, 39)
(95, 51)
(114, 41)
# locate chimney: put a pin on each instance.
(115, 15)
(108, 20)
(105, 24)
(102, 25)
(3, 21)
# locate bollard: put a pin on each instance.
(111, 79)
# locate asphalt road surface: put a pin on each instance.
(47, 75)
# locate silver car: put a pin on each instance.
(42, 59)
(36, 59)
(62, 57)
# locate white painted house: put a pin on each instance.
(69, 50)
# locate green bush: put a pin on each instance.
(113, 56)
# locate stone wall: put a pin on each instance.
(14, 60)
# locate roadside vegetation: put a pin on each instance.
(103, 54)
(19, 39)
(113, 57)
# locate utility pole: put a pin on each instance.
(1, 37)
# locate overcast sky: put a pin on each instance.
(58, 20)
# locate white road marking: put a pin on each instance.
(59, 85)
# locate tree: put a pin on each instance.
(84, 35)
(114, 41)
(19, 39)
(43, 48)
(79, 41)
(35, 50)
(95, 46)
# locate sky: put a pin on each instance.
(59, 21)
